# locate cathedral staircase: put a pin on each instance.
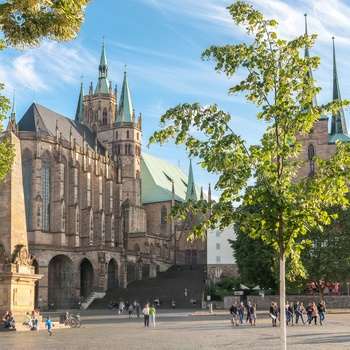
(167, 286)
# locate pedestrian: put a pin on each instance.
(234, 314)
(249, 305)
(241, 310)
(145, 312)
(152, 315)
(290, 312)
(48, 324)
(314, 313)
(273, 314)
(138, 309)
(185, 292)
(173, 304)
(309, 314)
(130, 311)
(121, 308)
(253, 315)
(321, 310)
(299, 309)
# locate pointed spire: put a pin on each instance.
(79, 112)
(13, 112)
(191, 186)
(338, 125)
(103, 82)
(309, 74)
(125, 111)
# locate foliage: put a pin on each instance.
(223, 288)
(327, 259)
(279, 83)
(27, 22)
(256, 261)
(6, 150)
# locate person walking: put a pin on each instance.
(48, 324)
(253, 315)
(145, 312)
(249, 305)
(241, 309)
(152, 315)
(273, 314)
(321, 310)
(173, 304)
(234, 314)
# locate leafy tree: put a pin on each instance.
(26, 23)
(327, 259)
(255, 260)
(6, 150)
(279, 83)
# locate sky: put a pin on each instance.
(159, 43)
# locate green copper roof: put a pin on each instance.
(338, 137)
(79, 112)
(103, 83)
(338, 125)
(191, 193)
(157, 177)
(125, 111)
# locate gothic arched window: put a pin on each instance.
(45, 191)
(310, 155)
(163, 215)
(104, 117)
(27, 173)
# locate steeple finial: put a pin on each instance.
(338, 125)
(103, 82)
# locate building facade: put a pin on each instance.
(93, 220)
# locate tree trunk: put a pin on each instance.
(283, 301)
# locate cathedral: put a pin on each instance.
(95, 204)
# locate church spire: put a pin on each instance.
(191, 186)
(103, 83)
(125, 112)
(13, 112)
(307, 55)
(79, 112)
(338, 125)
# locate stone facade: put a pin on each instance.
(87, 227)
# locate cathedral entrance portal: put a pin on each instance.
(86, 278)
(112, 274)
(190, 256)
(61, 282)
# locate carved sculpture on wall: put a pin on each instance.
(22, 256)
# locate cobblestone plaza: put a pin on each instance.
(179, 329)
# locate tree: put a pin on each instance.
(255, 260)
(279, 83)
(327, 259)
(26, 23)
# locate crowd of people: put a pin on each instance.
(238, 312)
(30, 320)
(149, 311)
(295, 312)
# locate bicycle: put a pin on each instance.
(72, 320)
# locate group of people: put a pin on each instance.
(9, 320)
(238, 311)
(296, 311)
(30, 320)
(130, 308)
(149, 311)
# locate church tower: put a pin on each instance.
(98, 109)
(118, 131)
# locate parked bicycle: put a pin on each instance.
(72, 320)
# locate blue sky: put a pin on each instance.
(161, 42)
